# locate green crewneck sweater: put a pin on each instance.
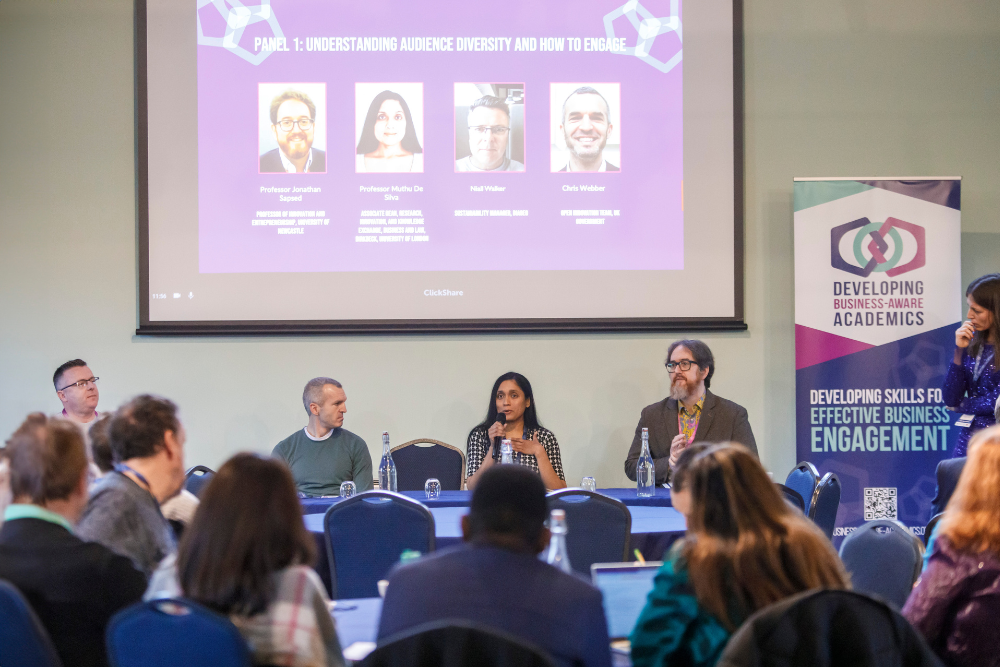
(319, 466)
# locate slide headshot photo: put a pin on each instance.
(489, 127)
(389, 133)
(585, 126)
(292, 128)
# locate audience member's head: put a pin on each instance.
(100, 444)
(508, 510)
(247, 527)
(76, 388)
(745, 547)
(972, 517)
(146, 435)
(48, 465)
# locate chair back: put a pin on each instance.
(931, 525)
(419, 460)
(23, 639)
(792, 496)
(365, 536)
(170, 632)
(598, 527)
(948, 472)
(456, 643)
(803, 479)
(825, 503)
(196, 478)
(827, 627)
(884, 559)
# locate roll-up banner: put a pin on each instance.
(878, 297)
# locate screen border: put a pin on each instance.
(427, 326)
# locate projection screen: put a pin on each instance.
(391, 166)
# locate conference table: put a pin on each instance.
(654, 529)
(661, 498)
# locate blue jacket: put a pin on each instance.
(515, 593)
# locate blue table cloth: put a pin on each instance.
(654, 529)
(463, 498)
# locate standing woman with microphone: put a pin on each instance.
(511, 415)
(972, 385)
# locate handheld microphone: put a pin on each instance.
(501, 419)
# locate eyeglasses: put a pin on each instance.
(683, 364)
(498, 130)
(82, 384)
(286, 124)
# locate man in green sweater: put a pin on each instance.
(324, 454)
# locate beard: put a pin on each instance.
(585, 151)
(680, 389)
(296, 146)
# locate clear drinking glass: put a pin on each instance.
(588, 484)
(432, 489)
(348, 489)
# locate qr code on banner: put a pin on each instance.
(880, 503)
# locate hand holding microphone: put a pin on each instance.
(497, 433)
(964, 334)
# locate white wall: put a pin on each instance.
(841, 88)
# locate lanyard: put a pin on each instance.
(121, 467)
(977, 371)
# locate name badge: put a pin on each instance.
(965, 421)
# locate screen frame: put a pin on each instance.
(424, 326)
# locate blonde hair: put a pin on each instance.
(746, 547)
(972, 518)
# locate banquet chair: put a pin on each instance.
(598, 527)
(792, 496)
(827, 627)
(803, 478)
(884, 559)
(419, 460)
(365, 536)
(456, 643)
(23, 639)
(825, 503)
(170, 632)
(197, 478)
(931, 525)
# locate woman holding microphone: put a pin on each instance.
(533, 446)
(973, 381)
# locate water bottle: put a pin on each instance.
(506, 451)
(645, 473)
(557, 555)
(386, 468)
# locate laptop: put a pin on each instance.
(625, 587)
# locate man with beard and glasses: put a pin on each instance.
(293, 121)
(586, 125)
(690, 414)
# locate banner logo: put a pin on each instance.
(878, 246)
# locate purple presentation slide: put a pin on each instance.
(392, 135)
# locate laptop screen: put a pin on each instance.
(625, 588)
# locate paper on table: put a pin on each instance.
(359, 650)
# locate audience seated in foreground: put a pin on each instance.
(179, 510)
(147, 441)
(496, 580)
(745, 548)
(73, 586)
(956, 602)
(247, 555)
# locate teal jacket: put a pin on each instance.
(672, 628)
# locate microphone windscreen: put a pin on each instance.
(502, 418)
